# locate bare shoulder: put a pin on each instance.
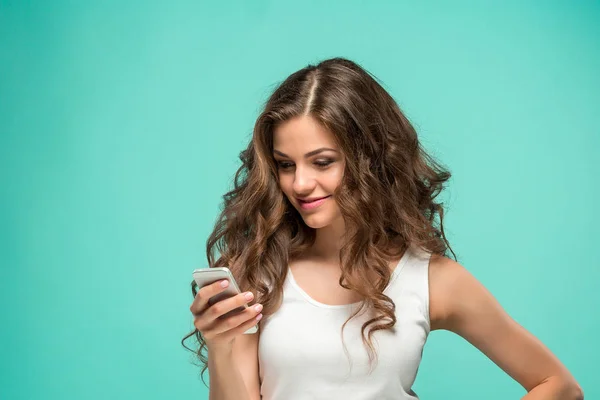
(443, 274)
(455, 295)
(451, 288)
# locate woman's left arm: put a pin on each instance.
(461, 304)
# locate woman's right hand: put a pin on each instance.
(220, 333)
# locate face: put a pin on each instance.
(310, 166)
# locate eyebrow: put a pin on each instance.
(309, 154)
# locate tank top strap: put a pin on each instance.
(412, 280)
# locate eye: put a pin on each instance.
(318, 163)
(283, 164)
(323, 163)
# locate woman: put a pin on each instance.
(332, 229)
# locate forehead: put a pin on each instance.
(300, 135)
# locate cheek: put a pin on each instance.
(335, 179)
(285, 184)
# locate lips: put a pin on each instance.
(312, 205)
(312, 201)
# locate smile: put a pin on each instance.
(313, 204)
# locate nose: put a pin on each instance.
(304, 181)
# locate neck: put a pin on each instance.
(328, 242)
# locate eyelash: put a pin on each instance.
(323, 164)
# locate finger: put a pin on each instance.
(226, 305)
(234, 321)
(207, 318)
(205, 293)
(241, 328)
(238, 330)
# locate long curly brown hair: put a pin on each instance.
(386, 197)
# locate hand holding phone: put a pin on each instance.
(221, 312)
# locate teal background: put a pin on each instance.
(120, 129)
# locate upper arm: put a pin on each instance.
(460, 304)
(245, 354)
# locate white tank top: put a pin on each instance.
(301, 355)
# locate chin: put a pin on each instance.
(316, 222)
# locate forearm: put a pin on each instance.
(555, 389)
(226, 382)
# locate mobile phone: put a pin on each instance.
(206, 276)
